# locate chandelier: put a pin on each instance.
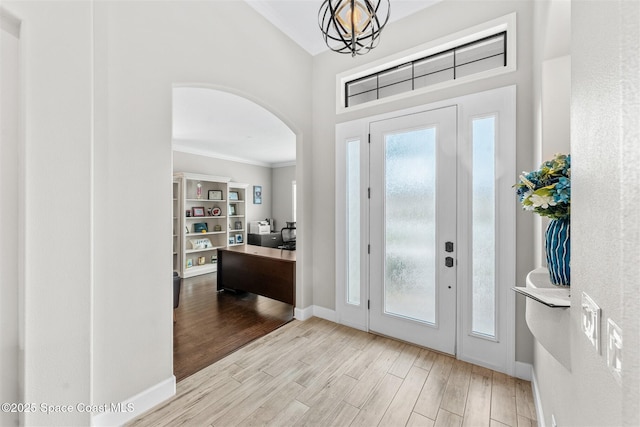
(353, 26)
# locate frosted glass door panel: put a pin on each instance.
(483, 224)
(410, 224)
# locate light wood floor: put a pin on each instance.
(317, 373)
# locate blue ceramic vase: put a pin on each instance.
(558, 248)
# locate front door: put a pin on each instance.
(413, 228)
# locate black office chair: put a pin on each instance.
(288, 234)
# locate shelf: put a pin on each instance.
(200, 269)
(194, 251)
(205, 217)
(236, 201)
(205, 200)
(554, 298)
(548, 314)
(203, 234)
(236, 216)
(236, 244)
(236, 230)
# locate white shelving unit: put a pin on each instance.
(204, 221)
(176, 225)
(237, 214)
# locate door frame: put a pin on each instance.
(469, 347)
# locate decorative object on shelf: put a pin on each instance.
(233, 195)
(216, 211)
(186, 229)
(215, 195)
(197, 211)
(189, 263)
(214, 259)
(200, 227)
(187, 213)
(232, 209)
(201, 260)
(201, 244)
(238, 238)
(257, 194)
(217, 227)
(199, 191)
(547, 192)
(558, 248)
(238, 225)
(353, 26)
(231, 240)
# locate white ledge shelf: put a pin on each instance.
(554, 298)
(548, 314)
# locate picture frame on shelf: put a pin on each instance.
(238, 238)
(232, 240)
(233, 195)
(200, 227)
(232, 210)
(215, 195)
(197, 211)
(189, 263)
(257, 194)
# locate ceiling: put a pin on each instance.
(223, 125)
(298, 19)
(227, 126)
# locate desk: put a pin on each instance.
(264, 271)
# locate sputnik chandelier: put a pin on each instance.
(353, 26)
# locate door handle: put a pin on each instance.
(448, 247)
(448, 261)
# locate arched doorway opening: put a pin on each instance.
(221, 132)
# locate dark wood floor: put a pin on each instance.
(210, 325)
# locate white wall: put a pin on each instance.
(282, 179)
(56, 53)
(238, 172)
(99, 78)
(605, 225)
(434, 22)
(180, 42)
(10, 243)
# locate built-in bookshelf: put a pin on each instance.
(212, 215)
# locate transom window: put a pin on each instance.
(466, 59)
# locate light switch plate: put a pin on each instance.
(591, 321)
(614, 350)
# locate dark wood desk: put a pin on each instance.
(264, 271)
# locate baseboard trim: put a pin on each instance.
(324, 313)
(536, 399)
(317, 311)
(304, 313)
(523, 371)
(136, 405)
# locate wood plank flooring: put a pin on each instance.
(318, 373)
(210, 325)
